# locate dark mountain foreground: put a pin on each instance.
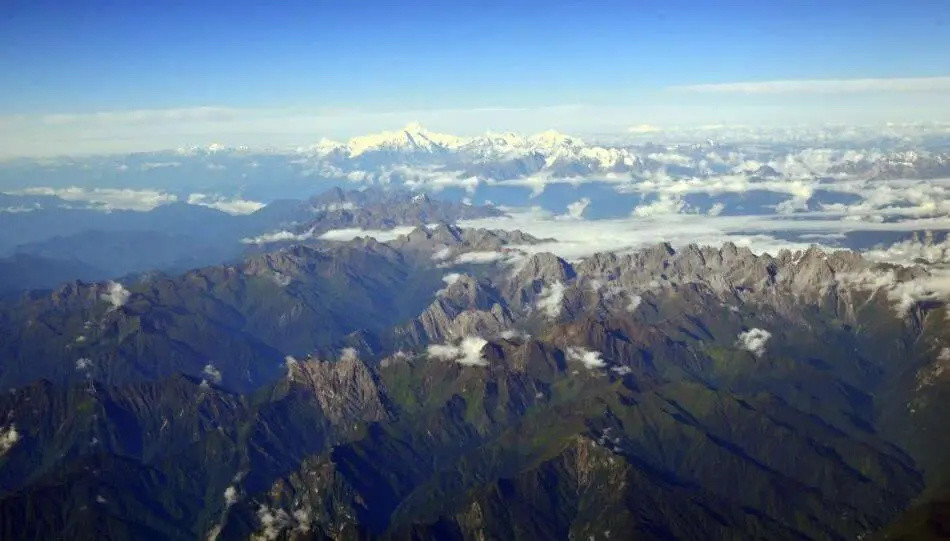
(427, 389)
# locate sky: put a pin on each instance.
(87, 76)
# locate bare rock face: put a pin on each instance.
(445, 240)
(539, 271)
(468, 306)
(381, 209)
(286, 263)
(544, 267)
(346, 389)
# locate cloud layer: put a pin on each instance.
(825, 86)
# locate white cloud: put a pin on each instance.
(8, 438)
(349, 355)
(273, 522)
(716, 209)
(83, 364)
(116, 295)
(148, 166)
(590, 359)
(665, 205)
(442, 254)
(478, 257)
(449, 279)
(20, 209)
(334, 207)
(514, 334)
(825, 86)
(576, 209)
(635, 301)
(279, 236)
(577, 239)
(290, 361)
(754, 341)
(106, 198)
(550, 299)
(909, 252)
(904, 294)
(381, 235)
(303, 520)
(230, 206)
(468, 352)
(644, 128)
(621, 370)
(212, 373)
(230, 496)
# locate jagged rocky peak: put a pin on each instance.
(76, 290)
(444, 240)
(468, 306)
(346, 389)
(544, 267)
(441, 232)
(471, 292)
(291, 261)
(484, 239)
(654, 257)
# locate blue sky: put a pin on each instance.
(85, 57)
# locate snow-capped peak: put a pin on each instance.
(551, 139)
(323, 147)
(557, 149)
(413, 137)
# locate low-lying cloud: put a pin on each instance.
(468, 352)
(590, 359)
(106, 198)
(824, 86)
(235, 206)
(754, 341)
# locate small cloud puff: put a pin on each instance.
(381, 235)
(276, 521)
(449, 279)
(8, 438)
(290, 362)
(106, 199)
(279, 236)
(754, 341)
(590, 359)
(551, 299)
(349, 355)
(116, 295)
(665, 205)
(442, 254)
(468, 352)
(229, 206)
(478, 257)
(512, 334)
(230, 496)
(212, 373)
(576, 210)
(716, 209)
(644, 128)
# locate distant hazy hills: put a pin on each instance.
(49, 245)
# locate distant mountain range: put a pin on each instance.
(61, 244)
